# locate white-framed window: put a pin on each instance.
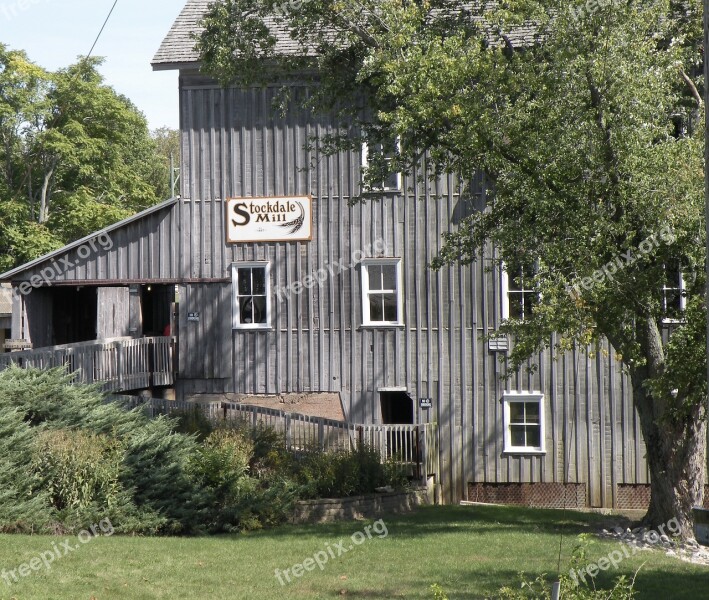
(251, 287)
(382, 298)
(517, 290)
(391, 183)
(523, 415)
(674, 294)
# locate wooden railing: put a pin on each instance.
(120, 364)
(414, 447)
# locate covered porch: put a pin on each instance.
(118, 364)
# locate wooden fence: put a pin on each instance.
(414, 447)
(120, 364)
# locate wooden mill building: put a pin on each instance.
(272, 284)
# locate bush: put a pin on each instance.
(78, 468)
(24, 506)
(234, 467)
(342, 474)
(70, 459)
(194, 422)
(156, 493)
(623, 588)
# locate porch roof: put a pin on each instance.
(9, 275)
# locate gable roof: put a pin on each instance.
(62, 251)
(178, 45)
(177, 49)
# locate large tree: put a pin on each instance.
(588, 123)
(75, 156)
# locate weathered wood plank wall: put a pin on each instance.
(235, 144)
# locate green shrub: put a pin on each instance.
(24, 506)
(193, 422)
(157, 492)
(78, 468)
(342, 474)
(243, 499)
(623, 588)
(70, 458)
(158, 471)
(220, 466)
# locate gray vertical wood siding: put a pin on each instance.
(236, 144)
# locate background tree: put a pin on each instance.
(167, 148)
(587, 123)
(75, 155)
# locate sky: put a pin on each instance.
(55, 32)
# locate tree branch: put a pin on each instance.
(692, 87)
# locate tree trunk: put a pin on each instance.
(44, 202)
(675, 443)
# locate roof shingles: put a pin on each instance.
(178, 47)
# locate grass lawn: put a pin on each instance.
(470, 551)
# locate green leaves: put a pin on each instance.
(75, 156)
(586, 118)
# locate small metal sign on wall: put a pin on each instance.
(286, 219)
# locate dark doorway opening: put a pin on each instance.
(397, 408)
(156, 308)
(73, 315)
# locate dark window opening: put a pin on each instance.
(73, 314)
(397, 408)
(156, 308)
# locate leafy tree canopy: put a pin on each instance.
(587, 119)
(75, 156)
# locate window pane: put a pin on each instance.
(390, 308)
(516, 412)
(672, 277)
(259, 280)
(389, 272)
(246, 310)
(375, 277)
(244, 276)
(517, 435)
(259, 303)
(376, 308)
(533, 437)
(673, 303)
(391, 182)
(520, 274)
(529, 300)
(516, 306)
(532, 412)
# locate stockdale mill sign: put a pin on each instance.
(287, 219)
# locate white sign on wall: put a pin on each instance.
(287, 219)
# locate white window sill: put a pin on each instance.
(382, 326)
(252, 328)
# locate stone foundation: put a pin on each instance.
(329, 510)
